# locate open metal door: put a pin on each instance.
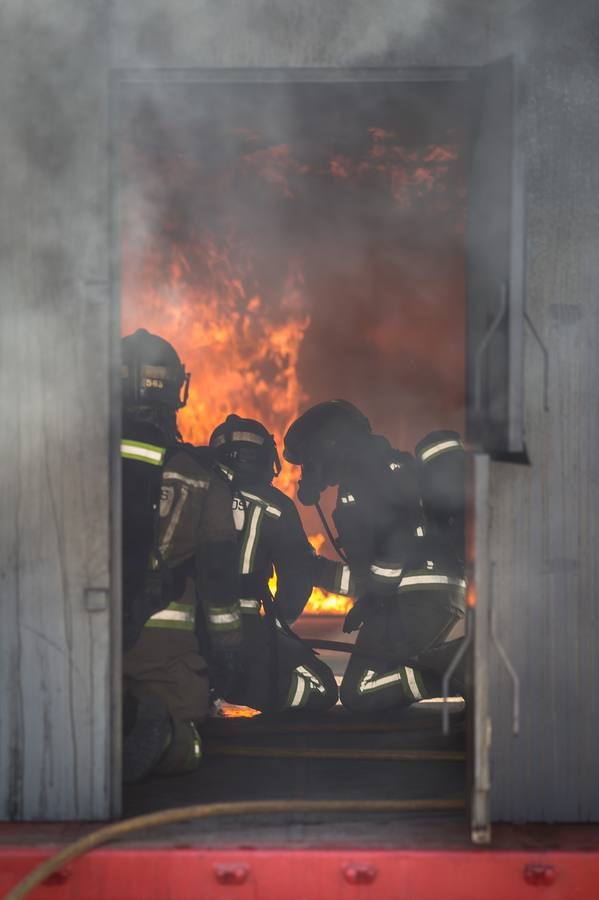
(495, 326)
(495, 266)
(479, 744)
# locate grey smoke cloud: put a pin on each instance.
(290, 175)
(49, 125)
(52, 48)
(268, 32)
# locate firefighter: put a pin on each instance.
(179, 568)
(279, 672)
(400, 525)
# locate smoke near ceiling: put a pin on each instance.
(295, 252)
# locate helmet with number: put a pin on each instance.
(247, 448)
(320, 441)
(153, 375)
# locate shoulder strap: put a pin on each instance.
(334, 540)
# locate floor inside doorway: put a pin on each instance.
(395, 756)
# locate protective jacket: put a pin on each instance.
(193, 538)
(383, 524)
(280, 671)
(271, 533)
(400, 520)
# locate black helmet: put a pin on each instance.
(153, 374)
(246, 446)
(319, 442)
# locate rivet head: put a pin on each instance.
(539, 874)
(231, 873)
(359, 873)
(61, 876)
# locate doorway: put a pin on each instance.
(300, 236)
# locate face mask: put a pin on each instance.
(311, 484)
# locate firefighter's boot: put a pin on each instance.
(147, 735)
(184, 752)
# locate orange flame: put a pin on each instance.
(242, 358)
(325, 604)
(241, 346)
(320, 602)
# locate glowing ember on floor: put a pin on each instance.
(231, 711)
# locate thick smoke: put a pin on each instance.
(185, 139)
(375, 312)
(339, 353)
(268, 33)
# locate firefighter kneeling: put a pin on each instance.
(400, 521)
(279, 671)
(179, 569)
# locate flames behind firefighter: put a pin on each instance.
(280, 672)
(180, 593)
(400, 522)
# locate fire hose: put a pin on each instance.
(206, 811)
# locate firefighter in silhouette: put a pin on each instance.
(400, 523)
(279, 672)
(180, 592)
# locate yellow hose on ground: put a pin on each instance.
(335, 753)
(205, 811)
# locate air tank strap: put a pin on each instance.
(334, 540)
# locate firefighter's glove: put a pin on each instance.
(355, 617)
(226, 670)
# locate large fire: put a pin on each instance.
(200, 289)
(242, 359)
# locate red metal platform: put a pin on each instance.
(161, 873)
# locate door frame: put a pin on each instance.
(480, 731)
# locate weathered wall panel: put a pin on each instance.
(54, 351)
(544, 519)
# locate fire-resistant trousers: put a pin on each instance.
(166, 661)
(400, 651)
(280, 672)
